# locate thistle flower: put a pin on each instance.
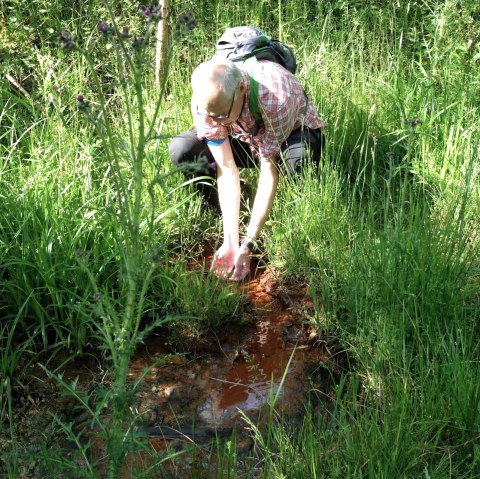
(67, 40)
(125, 33)
(187, 20)
(104, 28)
(413, 122)
(82, 104)
(152, 12)
(147, 11)
(137, 42)
(156, 12)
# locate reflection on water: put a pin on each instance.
(202, 397)
(213, 389)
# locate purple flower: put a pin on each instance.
(67, 40)
(152, 12)
(147, 11)
(187, 20)
(137, 42)
(82, 104)
(413, 122)
(104, 28)
(125, 32)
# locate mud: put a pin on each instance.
(198, 398)
(274, 362)
(241, 374)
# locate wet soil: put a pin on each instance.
(238, 375)
(195, 398)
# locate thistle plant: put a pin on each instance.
(121, 313)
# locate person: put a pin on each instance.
(227, 135)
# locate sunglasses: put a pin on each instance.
(221, 117)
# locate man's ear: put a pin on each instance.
(242, 87)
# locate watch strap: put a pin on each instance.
(248, 242)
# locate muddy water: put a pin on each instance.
(187, 400)
(192, 400)
(239, 376)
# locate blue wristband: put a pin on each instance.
(214, 142)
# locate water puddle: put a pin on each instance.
(188, 401)
(195, 399)
(240, 377)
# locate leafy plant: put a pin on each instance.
(120, 309)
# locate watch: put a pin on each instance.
(248, 242)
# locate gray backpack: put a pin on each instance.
(241, 43)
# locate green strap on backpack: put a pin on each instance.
(253, 102)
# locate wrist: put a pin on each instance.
(248, 242)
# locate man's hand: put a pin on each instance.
(242, 264)
(224, 260)
(231, 262)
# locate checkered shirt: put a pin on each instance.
(282, 103)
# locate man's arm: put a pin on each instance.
(230, 256)
(266, 189)
(228, 182)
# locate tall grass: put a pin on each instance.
(385, 233)
(88, 226)
(399, 283)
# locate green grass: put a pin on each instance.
(385, 234)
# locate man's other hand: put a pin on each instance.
(241, 264)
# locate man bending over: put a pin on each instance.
(227, 134)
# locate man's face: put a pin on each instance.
(221, 109)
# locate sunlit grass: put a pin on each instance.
(385, 233)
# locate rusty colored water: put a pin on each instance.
(239, 376)
(256, 373)
(243, 376)
(211, 391)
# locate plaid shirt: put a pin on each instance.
(282, 103)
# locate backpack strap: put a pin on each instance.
(253, 104)
(253, 99)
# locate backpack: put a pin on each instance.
(242, 43)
